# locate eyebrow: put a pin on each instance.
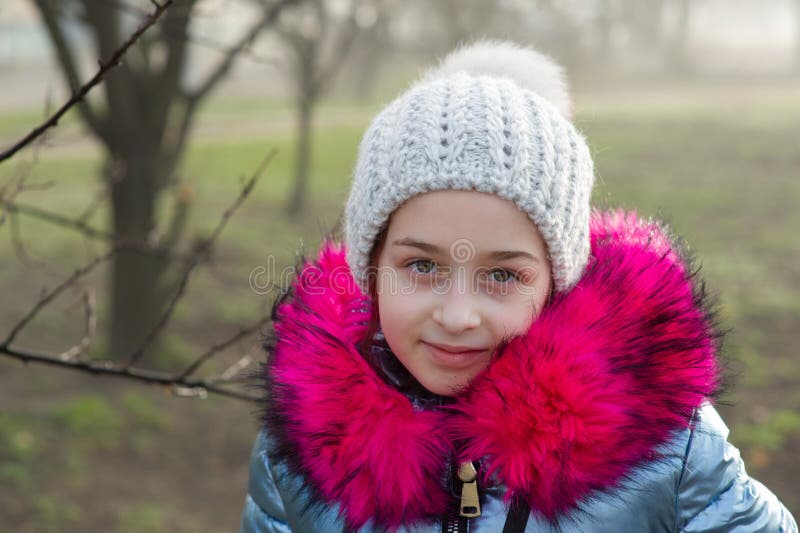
(498, 255)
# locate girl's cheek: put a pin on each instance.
(513, 313)
(520, 320)
(528, 277)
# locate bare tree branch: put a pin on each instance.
(180, 383)
(97, 201)
(36, 186)
(108, 368)
(268, 16)
(90, 328)
(208, 354)
(162, 94)
(195, 39)
(78, 96)
(91, 232)
(226, 49)
(55, 218)
(344, 41)
(127, 8)
(200, 253)
(16, 241)
(19, 184)
(50, 295)
(122, 87)
(68, 64)
(178, 219)
(234, 370)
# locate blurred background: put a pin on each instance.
(691, 108)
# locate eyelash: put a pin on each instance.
(512, 275)
(413, 262)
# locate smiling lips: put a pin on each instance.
(455, 349)
(454, 356)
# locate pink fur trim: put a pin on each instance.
(600, 380)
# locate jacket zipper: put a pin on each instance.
(455, 523)
(470, 502)
(468, 506)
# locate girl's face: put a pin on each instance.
(458, 272)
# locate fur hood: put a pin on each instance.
(598, 383)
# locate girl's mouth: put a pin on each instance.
(453, 356)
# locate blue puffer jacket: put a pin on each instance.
(598, 418)
(704, 487)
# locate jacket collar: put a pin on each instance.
(601, 379)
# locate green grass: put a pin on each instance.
(142, 518)
(65, 446)
(17, 441)
(772, 432)
(54, 514)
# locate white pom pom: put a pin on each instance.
(530, 69)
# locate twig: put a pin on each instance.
(21, 186)
(202, 250)
(58, 219)
(48, 297)
(235, 368)
(108, 368)
(77, 96)
(16, 241)
(342, 47)
(223, 48)
(89, 330)
(36, 186)
(267, 18)
(95, 203)
(91, 232)
(221, 346)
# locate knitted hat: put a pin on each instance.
(492, 117)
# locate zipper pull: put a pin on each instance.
(470, 502)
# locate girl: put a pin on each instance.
(485, 355)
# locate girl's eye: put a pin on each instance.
(422, 266)
(502, 275)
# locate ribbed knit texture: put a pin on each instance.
(486, 133)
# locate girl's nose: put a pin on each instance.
(457, 311)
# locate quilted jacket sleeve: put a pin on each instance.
(263, 508)
(715, 494)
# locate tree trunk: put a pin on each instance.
(603, 24)
(677, 57)
(297, 201)
(136, 298)
(797, 36)
(368, 55)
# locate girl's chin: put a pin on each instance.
(446, 385)
(444, 373)
(448, 382)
